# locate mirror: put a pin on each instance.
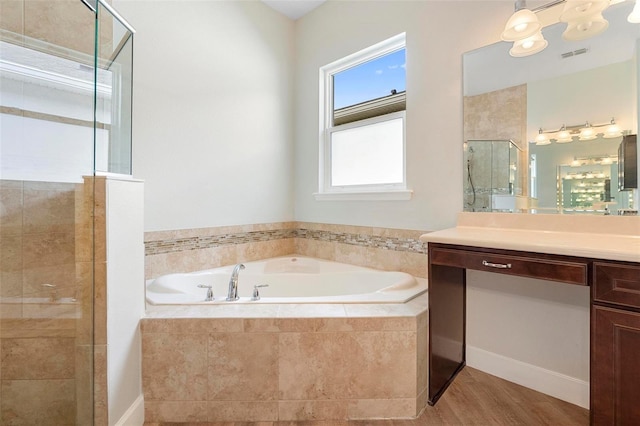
(572, 84)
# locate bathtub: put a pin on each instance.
(290, 279)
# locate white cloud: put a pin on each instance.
(378, 72)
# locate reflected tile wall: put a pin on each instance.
(497, 115)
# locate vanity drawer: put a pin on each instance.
(616, 283)
(545, 268)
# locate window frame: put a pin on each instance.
(326, 191)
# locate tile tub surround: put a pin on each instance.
(284, 362)
(197, 249)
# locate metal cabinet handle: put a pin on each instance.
(496, 265)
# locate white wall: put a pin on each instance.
(531, 332)
(215, 101)
(438, 33)
(125, 299)
(212, 115)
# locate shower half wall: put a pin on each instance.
(65, 77)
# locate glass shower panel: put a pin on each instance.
(114, 93)
(493, 181)
(46, 201)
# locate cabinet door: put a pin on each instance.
(615, 367)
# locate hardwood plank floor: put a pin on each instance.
(474, 398)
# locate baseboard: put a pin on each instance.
(549, 382)
(134, 416)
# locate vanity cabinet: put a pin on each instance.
(615, 319)
(615, 344)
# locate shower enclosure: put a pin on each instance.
(65, 115)
(492, 175)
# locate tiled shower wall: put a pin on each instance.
(196, 249)
(45, 345)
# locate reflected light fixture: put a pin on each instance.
(584, 132)
(564, 135)
(612, 130)
(634, 16)
(528, 46)
(522, 24)
(587, 133)
(584, 19)
(541, 138)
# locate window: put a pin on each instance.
(362, 139)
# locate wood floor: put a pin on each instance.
(475, 398)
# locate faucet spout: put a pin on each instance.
(233, 283)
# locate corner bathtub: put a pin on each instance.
(291, 279)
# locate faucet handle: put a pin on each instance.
(256, 292)
(209, 297)
(54, 292)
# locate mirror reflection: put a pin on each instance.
(542, 132)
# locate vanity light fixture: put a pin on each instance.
(613, 130)
(522, 24)
(528, 46)
(542, 138)
(634, 16)
(587, 133)
(584, 132)
(564, 135)
(584, 18)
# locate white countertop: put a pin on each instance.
(599, 237)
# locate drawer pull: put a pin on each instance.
(496, 265)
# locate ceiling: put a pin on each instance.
(294, 9)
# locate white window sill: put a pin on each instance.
(393, 195)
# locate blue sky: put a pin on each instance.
(370, 80)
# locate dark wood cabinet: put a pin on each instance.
(615, 319)
(615, 344)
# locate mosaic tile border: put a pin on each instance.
(196, 243)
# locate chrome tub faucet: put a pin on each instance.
(232, 295)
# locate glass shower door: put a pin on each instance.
(46, 212)
(65, 115)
